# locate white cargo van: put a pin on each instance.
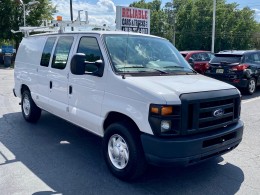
(135, 91)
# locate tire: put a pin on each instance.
(31, 112)
(123, 151)
(251, 86)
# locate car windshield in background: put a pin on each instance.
(226, 58)
(139, 54)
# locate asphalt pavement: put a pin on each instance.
(56, 157)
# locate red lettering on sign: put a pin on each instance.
(134, 13)
(123, 12)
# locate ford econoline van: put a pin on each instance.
(135, 91)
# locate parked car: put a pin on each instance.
(2, 56)
(198, 59)
(239, 68)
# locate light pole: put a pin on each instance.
(213, 26)
(71, 14)
(24, 11)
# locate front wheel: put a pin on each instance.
(31, 112)
(123, 151)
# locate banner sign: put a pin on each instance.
(133, 19)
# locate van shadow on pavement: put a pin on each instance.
(69, 160)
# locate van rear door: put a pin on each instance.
(57, 77)
(43, 71)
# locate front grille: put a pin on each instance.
(198, 110)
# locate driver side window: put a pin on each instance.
(89, 46)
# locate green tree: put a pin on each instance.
(256, 37)
(169, 11)
(185, 26)
(11, 16)
(234, 27)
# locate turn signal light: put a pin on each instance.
(167, 110)
(155, 110)
(161, 110)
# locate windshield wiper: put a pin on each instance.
(131, 67)
(193, 71)
(173, 67)
(158, 70)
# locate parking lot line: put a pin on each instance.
(250, 100)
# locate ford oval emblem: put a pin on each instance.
(218, 113)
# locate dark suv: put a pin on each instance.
(239, 68)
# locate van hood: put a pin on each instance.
(169, 86)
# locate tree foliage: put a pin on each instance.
(11, 16)
(256, 37)
(235, 28)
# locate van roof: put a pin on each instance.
(95, 32)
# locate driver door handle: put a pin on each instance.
(70, 89)
(50, 84)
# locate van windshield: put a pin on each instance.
(137, 54)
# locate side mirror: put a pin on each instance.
(95, 68)
(77, 64)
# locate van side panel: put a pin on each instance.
(26, 65)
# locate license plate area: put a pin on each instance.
(220, 71)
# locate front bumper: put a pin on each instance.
(191, 149)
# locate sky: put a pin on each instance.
(103, 11)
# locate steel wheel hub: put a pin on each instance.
(118, 151)
(26, 106)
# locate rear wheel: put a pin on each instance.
(31, 112)
(123, 151)
(251, 86)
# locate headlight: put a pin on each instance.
(165, 119)
(165, 126)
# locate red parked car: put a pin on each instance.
(198, 59)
